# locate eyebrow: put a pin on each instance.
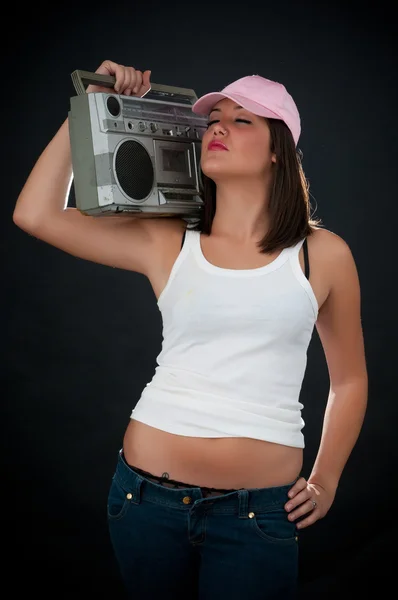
(219, 109)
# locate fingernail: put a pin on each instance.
(288, 507)
(135, 90)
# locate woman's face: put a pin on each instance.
(236, 143)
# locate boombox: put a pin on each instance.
(135, 156)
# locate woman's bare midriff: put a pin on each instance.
(211, 462)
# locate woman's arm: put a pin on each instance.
(41, 206)
(339, 327)
(340, 330)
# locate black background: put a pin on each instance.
(80, 339)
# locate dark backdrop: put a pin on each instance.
(80, 340)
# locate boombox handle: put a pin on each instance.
(81, 79)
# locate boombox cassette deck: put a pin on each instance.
(135, 156)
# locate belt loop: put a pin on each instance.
(243, 497)
(136, 490)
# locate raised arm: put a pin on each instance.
(41, 210)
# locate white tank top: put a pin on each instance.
(234, 349)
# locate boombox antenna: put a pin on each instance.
(180, 95)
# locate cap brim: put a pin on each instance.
(204, 105)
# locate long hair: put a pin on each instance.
(289, 209)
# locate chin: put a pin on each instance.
(214, 168)
(219, 174)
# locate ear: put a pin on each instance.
(273, 158)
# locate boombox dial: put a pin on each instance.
(134, 170)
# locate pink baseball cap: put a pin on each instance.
(260, 96)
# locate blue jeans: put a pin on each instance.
(175, 544)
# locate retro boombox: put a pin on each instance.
(135, 156)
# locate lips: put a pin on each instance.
(215, 145)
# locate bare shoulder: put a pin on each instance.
(336, 271)
(328, 245)
(332, 265)
(332, 254)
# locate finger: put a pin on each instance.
(146, 83)
(298, 500)
(297, 494)
(300, 484)
(303, 509)
(120, 76)
(310, 520)
(107, 67)
(138, 82)
(127, 82)
(130, 81)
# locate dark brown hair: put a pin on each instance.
(289, 203)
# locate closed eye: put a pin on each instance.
(237, 120)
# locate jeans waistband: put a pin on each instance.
(138, 488)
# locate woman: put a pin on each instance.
(207, 497)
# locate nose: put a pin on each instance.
(219, 129)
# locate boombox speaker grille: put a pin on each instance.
(134, 170)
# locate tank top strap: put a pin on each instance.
(183, 238)
(189, 238)
(306, 259)
(294, 254)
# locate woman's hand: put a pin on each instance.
(129, 81)
(308, 499)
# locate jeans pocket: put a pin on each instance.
(119, 501)
(274, 526)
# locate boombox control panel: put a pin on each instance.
(127, 114)
(151, 128)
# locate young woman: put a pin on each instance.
(207, 496)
